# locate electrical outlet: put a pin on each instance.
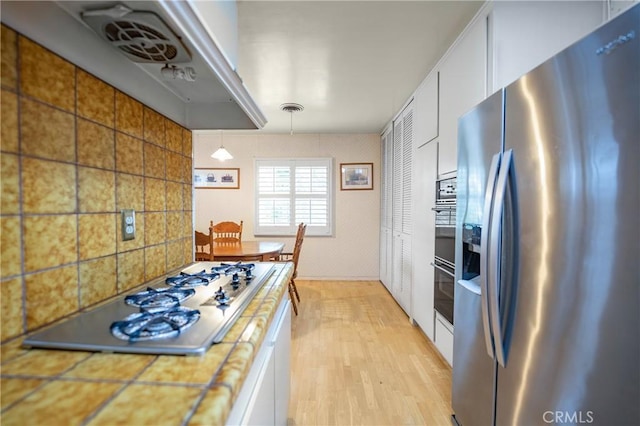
(128, 224)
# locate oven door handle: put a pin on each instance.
(441, 269)
(443, 208)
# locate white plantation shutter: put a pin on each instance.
(292, 191)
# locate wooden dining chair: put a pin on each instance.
(294, 257)
(227, 232)
(204, 245)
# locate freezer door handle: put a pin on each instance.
(484, 252)
(495, 254)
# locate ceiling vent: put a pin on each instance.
(142, 36)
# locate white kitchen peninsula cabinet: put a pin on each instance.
(264, 396)
(426, 163)
(425, 120)
(463, 76)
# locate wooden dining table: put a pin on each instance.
(247, 250)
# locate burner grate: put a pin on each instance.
(159, 298)
(155, 324)
(185, 280)
(234, 269)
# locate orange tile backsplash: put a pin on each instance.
(154, 161)
(174, 137)
(129, 115)
(9, 118)
(48, 186)
(155, 195)
(74, 152)
(45, 76)
(51, 294)
(94, 244)
(129, 158)
(95, 99)
(49, 241)
(9, 183)
(97, 280)
(96, 145)
(9, 58)
(10, 240)
(11, 294)
(153, 127)
(96, 190)
(130, 269)
(55, 141)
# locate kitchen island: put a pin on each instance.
(56, 387)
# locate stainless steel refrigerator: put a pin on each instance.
(547, 297)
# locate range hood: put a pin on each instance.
(186, 77)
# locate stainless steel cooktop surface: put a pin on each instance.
(183, 316)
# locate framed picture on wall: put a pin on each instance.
(356, 176)
(216, 178)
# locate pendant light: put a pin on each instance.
(291, 108)
(222, 154)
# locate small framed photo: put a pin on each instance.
(356, 176)
(216, 178)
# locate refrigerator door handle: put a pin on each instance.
(484, 252)
(496, 238)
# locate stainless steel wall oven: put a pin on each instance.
(444, 261)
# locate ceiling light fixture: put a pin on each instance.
(222, 154)
(291, 108)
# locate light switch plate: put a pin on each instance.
(128, 224)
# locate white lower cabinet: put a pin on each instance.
(264, 396)
(444, 338)
(282, 367)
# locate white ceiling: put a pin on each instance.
(351, 64)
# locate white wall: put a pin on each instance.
(353, 251)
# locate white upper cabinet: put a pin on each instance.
(463, 76)
(425, 120)
(527, 33)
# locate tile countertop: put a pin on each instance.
(53, 387)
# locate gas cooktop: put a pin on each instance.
(185, 315)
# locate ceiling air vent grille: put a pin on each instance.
(141, 36)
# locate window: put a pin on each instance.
(292, 191)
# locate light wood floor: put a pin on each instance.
(356, 360)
